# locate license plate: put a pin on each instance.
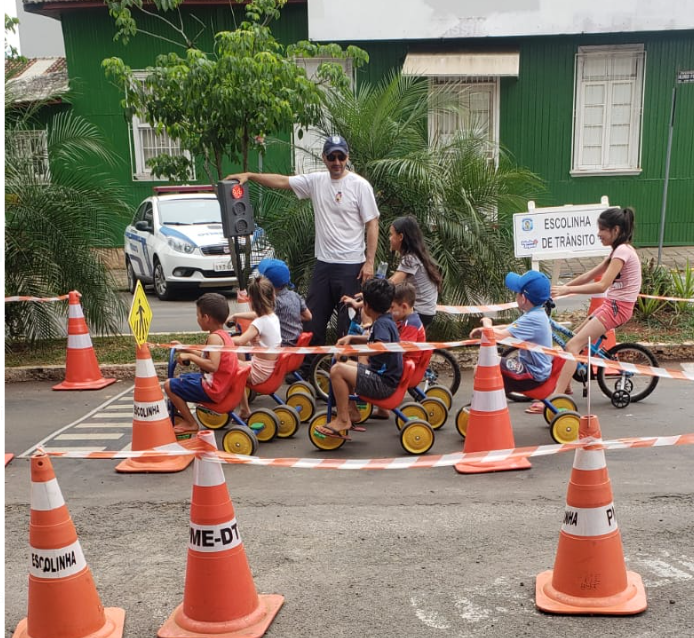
(222, 266)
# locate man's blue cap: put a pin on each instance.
(335, 143)
(276, 271)
(533, 284)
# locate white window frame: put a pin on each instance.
(465, 84)
(32, 146)
(633, 164)
(308, 149)
(139, 128)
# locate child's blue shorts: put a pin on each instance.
(189, 387)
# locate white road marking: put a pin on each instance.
(111, 415)
(469, 611)
(115, 424)
(73, 448)
(430, 618)
(96, 436)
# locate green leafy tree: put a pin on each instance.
(460, 197)
(53, 222)
(222, 105)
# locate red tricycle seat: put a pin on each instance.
(295, 360)
(420, 368)
(546, 388)
(394, 400)
(275, 380)
(231, 400)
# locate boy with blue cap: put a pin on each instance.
(529, 369)
(290, 307)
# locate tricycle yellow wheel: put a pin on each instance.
(437, 412)
(211, 420)
(304, 404)
(264, 423)
(288, 419)
(365, 410)
(412, 410)
(240, 439)
(564, 426)
(321, 441)
(561, 402)
(417, 437)
(300, 386)
(440, 392)
(461, 420)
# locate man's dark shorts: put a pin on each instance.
(516, 376)
(189, 387)
(370, 385)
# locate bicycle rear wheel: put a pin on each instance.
(443, 370)
(639, 386)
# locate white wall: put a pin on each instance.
(436, 19)
(39, 36)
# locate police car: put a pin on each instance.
(176, 241)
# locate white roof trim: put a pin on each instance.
(462, 64)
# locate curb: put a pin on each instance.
(467, 360)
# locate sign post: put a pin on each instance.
(683, 77)
(140, 316)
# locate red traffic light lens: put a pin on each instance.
(237, 191)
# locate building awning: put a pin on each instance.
(462, 64)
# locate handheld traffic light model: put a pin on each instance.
(237, 210)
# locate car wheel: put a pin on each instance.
(162, 288)
(132, 279)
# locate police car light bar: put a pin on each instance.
(194, 188)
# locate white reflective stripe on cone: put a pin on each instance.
(150, 411)
(46, 496)
(207, 473)
(488, 357)
(79, 342)
(57, 563)
(144, 368)
(75, 311)
(589, 521)
(589, 460)
(488, 401)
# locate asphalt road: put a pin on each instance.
(425, 553)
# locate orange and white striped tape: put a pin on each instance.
(652, 371)
(478, 310)
(397, 463)
(39, 299)
(349, 350)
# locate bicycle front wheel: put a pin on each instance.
(443, 370)
(639, 386)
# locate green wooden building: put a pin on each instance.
(583, 97)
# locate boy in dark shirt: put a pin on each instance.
(380, 377)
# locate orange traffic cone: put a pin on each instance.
(81, 367)
(489, 425)
(152, 428)
(589, 575)
(220, 598)
(63, 601)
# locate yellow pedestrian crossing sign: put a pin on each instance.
(140, 316)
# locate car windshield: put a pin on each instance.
(176, 212)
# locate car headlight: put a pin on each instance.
(181, 246)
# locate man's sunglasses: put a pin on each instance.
(336, 156)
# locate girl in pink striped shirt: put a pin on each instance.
(620, 278)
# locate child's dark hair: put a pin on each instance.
(622, 217)
(413, 244)
(405, 293)
(378, 293)
(214, 305)
(261, 295)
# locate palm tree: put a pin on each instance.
(57, 211)
(461, 198)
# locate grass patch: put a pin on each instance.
(109, 350)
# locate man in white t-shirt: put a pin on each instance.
(345, 211)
